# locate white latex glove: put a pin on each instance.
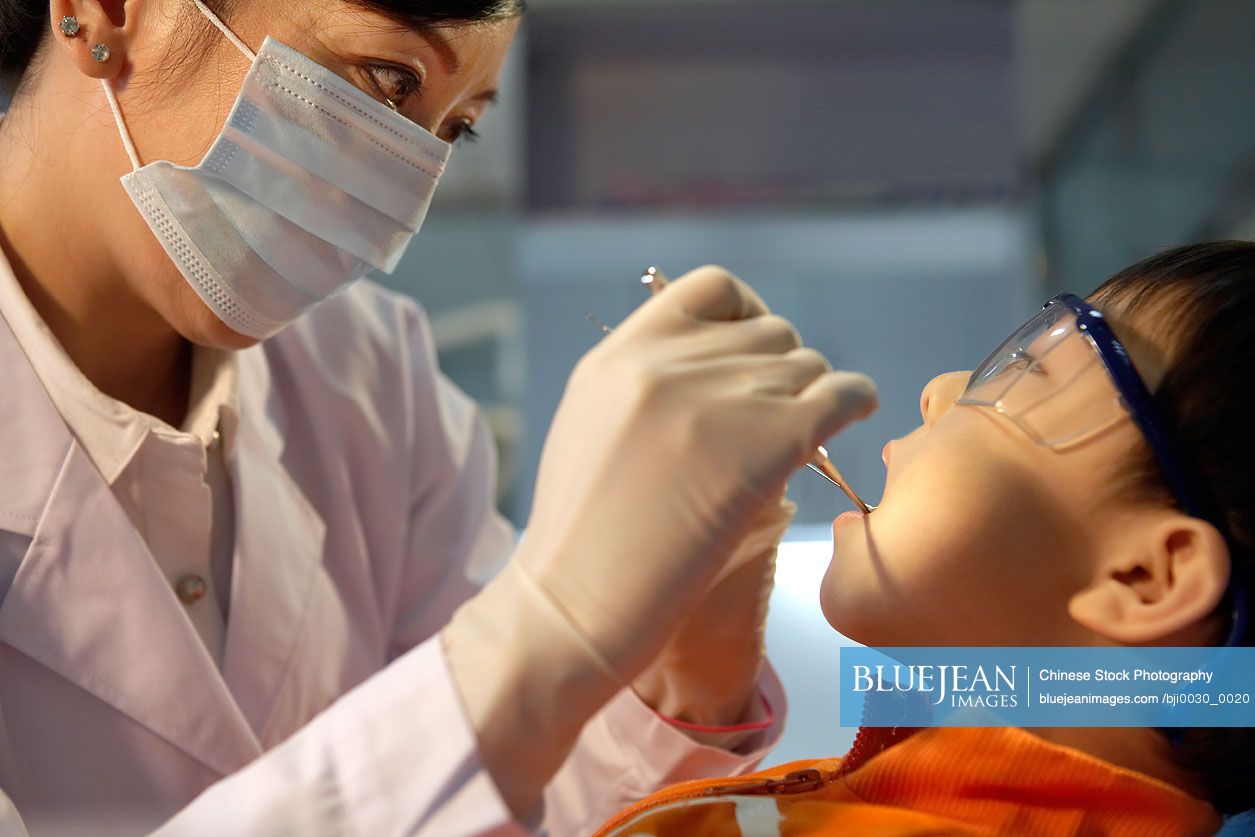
(707, 673)
(673, 433)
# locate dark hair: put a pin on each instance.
(24, 23)
(1201, 302)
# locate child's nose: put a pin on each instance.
(940, 394)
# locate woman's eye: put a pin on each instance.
(462, 131)
(395, 83)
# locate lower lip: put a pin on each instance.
(847, 517)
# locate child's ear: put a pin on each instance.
(1167, 578)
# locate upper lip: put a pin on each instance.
(885, 453)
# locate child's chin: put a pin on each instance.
(855, 616)
(840, 612)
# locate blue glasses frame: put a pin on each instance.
(1137, 400)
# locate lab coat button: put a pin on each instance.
(190, 589)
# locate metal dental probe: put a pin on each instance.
(823, 466)
(655, 280)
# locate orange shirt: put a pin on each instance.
(936, 781)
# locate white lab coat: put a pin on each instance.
(364, 516)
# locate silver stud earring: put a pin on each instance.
(100, 52)
(69, 26)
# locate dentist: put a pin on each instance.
(246, 526)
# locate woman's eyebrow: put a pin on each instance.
(440, 44)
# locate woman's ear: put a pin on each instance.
(1165, 580)
(94, 34)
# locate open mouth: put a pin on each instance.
(846, 518)
(858, 513)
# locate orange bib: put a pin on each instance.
(936, 781)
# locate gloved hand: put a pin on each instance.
(673, 433)
(707, 673)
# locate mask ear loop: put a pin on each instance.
(117, 117)
(127, 142)
(222, 27)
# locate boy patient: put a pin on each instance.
(1043, 502)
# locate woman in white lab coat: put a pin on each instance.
(234, 487)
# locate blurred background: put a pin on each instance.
(906, 180)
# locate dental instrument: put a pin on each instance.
(655, 280)
(823, 466)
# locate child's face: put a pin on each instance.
(983, 535)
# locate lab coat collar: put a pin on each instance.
(29, 461)
(111, 432)
(257, 404)
(278, 554)
(88, 600)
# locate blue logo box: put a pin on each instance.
(1048, 687)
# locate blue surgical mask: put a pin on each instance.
(310, 184)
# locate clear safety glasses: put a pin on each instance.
(1048, 377)
(1062, 378)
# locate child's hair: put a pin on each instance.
(1201, 301)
